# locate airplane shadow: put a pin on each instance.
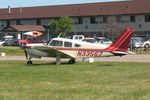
(46, 64)
(66, 63)
(106, 65)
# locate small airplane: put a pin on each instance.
(33, 33)
(33, 37)
(73, 49)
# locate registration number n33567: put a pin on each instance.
(89, 53)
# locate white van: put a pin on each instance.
(8, 37)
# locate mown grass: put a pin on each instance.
(12, 50)
(81, 81)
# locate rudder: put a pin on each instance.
(122, 42)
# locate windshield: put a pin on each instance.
(56, 43)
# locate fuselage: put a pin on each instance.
(67, 48)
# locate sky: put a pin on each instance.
(28, 3)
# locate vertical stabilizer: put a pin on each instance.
(120, 45)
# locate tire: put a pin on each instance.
(71, 61)
(146, 47)
(29, 62)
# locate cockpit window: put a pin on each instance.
(67, 44)
(56, 43)
(77, 45)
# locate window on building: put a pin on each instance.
(93, 20)
(38, 21)
(147, 18)
(86, 27)
(118, 19)
(80, 20)
(2, 25)
(132, 18)
(140, 25)
(105, 19)
(67, 44)
(8, 22)
(18, 22)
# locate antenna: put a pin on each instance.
(59, 35)
(20, 9)
(9, 9)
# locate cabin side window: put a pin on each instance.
(77, 45)
(67, 44)
(56, 43)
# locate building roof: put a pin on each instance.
(73, 10)
(24, 28)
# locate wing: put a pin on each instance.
(46, 51)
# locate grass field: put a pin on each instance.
(12, 50)
(81, 81)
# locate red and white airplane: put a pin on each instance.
(73, 49)
(32, 37)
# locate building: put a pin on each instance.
(95, 19)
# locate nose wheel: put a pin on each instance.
(29, 62)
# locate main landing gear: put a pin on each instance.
(71, 61)
(29, 62)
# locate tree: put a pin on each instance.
(113, 27)
(62, 25)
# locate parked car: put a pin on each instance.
(8, 37)
(103, 40)
(146, 44)
(9, 41)
(136, 42)
(90, 40)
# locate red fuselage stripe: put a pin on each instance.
(76, 49)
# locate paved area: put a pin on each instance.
(127, 58)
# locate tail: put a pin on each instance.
(120, 46)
